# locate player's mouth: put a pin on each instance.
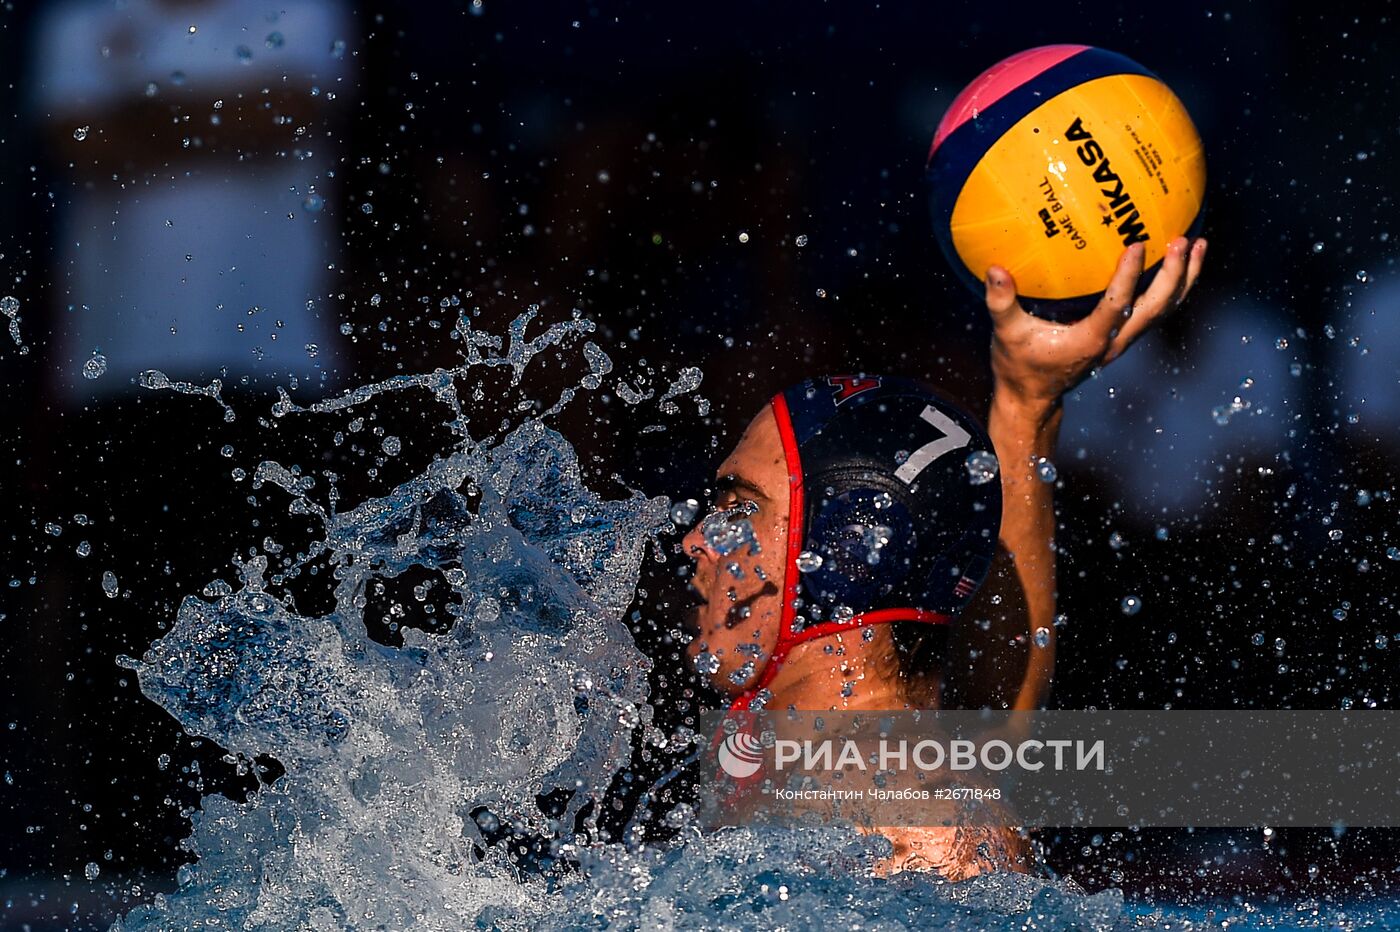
(742, 609)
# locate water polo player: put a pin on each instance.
(855, 519)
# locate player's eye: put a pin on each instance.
(728, 503)
(725, 499)
(729, 507)
(734, 507)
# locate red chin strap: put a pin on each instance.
(787, 639)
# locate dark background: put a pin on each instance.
(778, 120)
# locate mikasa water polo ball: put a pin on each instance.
(1055, 160)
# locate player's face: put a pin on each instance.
(739, 551)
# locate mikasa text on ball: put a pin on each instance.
(1055, 160)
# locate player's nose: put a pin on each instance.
(693, 544)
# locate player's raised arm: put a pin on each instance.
(1034, 362)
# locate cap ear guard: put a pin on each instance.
(866, 539)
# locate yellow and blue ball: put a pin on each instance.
(1052, 162)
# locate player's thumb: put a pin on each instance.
(1001, 291)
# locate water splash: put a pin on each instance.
(389, 751)
(402, 763)
(95, 366)
(156, 380)
(9, 306)
(686, 381)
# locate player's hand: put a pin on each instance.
(1036, 361)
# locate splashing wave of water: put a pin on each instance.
(400, 760)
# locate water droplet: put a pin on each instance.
(1362, 276)
(9, 306)
(981, 466)
(1317, 246)
(682, 513)
(727, 530)
(707, 663)
(84, 548)
(821, 292)
(1393, 553)
(742, 675)
(109, 583)
(1116, 541)
(808, 562)
(80, 133)
(53, 530)
(96, 367)
(91, 870)
(1042, 637)
(312, 350)
(1162, 533)
(743, 237)
(1281, 343)
(274, 40)
(801, 239)
(245, 54)
(1130, 605)
(1257, 639)
(1045, 470)
(1334, 534)
(313, 203)
(391, 445)
(366, 208)
(875, 538)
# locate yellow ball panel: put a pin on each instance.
(1060, 195)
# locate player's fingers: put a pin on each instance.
(1141, 321)
(1160, 297)
(1147, 312)
(1194, 265)
(1108, 317)
(1001, 293)
(1170, 278)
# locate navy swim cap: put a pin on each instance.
(886, 521)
